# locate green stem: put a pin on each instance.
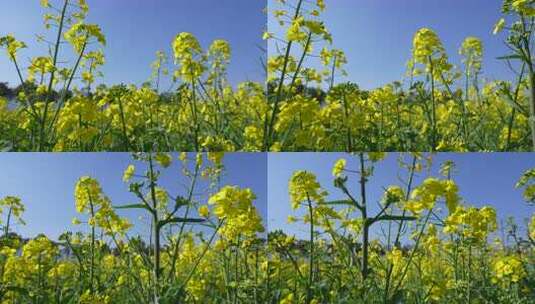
(155, 230)
(52, 76)
(270, 121)
(311, 251)
(433, 107)
(365, 232)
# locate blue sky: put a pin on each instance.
(376, 35)
(45, 182)
(136, 29)
(483, 179)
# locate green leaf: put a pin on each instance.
(16, 289)
(180, 220)
(340, 202)
(515, 56)
(209, 225)
(181, 201)
(513, 104)
(133, 206)
(396, 218)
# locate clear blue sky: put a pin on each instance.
(483, 179)
(376, 35)
(45, 182)
(136, 29)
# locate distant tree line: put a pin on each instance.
(9, 92)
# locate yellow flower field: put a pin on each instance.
(375, 214)
(439, 106)
(422, 243)
(107, 262)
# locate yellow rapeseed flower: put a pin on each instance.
(128, 173)
(339, 167)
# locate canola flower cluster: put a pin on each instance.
(90, 200)
(235, 206)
